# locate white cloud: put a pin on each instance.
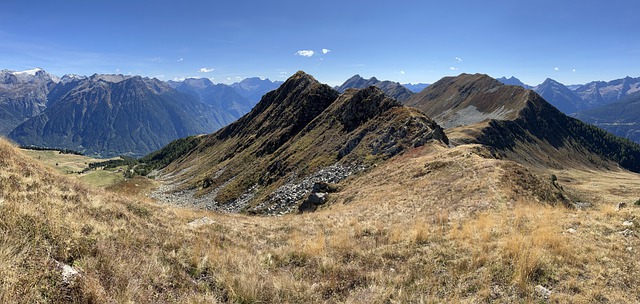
(453, 68)
(159, 76)
(205, 70)
(117, 70)
(305, 53)
(326, 51)
(402, 72)
(179, 60)
(573, 70)
(556, 69)
(458, 59)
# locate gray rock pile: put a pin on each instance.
(286, 198)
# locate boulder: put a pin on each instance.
(312, 202)
(200, 222)
(320, 187)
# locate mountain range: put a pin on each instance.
(300, 134)
(393, 89)
(220, 96)
(609, 105)
(391, 206)
(22, 96)
(415, 88)
(581, 96)
(253, 88)
(304, 134)
(32, 114)
(110, 115)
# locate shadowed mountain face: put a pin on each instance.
(302, 133)
(219, 96)
(109, 115)
(560, 96)
(22, 96)
(520, 123)
(621, 118)
(393, 89)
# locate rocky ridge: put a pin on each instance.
(300, 134)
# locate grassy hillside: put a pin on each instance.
(431, 225)
(74, 165)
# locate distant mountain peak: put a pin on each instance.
(393, 89)
(113, 78)
(31, 72)
(253, 88)
(513, 81)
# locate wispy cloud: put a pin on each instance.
(458, 59)
(556, 69)
(402, 72)
(305, 53)
(326, 51)
(180, 60)
(205, 70)
(573, 70)
(453, 68)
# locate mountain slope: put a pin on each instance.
(110, 115)
(621, 118)
(560, 96)
(520, 123)
(297, 135)
(22, 96)
(393, 89)
(220, 96)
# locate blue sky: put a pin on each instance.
(406, 41)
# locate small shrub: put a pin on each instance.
(637, 203)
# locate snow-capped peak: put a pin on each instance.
(31, 72)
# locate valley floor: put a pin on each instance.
(433, 225)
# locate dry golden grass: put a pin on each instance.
(433, 226)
